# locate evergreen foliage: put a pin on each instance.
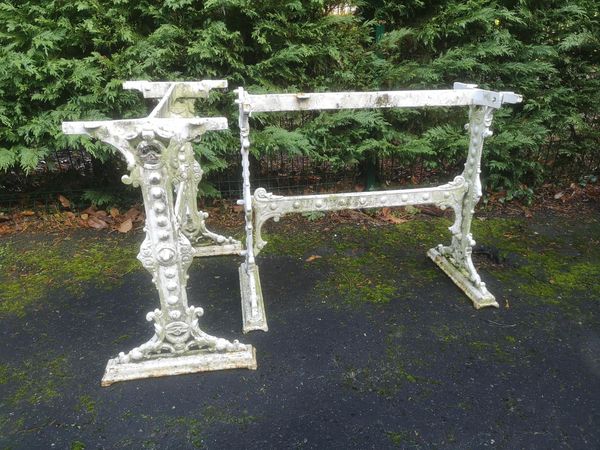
(545, 50)
(66, 60)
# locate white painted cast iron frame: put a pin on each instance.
(160, 160)
(461, 194)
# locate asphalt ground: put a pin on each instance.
(416, 368)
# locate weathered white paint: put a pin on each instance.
(461, 95)
(187, 363)
(161, 162)
(267, 205)
(253, 312)
(462, 194)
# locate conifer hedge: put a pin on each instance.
(66, 60)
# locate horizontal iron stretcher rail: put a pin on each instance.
(164, 124)
(461, 95)
(359, 200)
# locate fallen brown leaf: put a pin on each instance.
(85, 216)
(95, 222)
(64, 201)
(432, 211)
(27, 213)
(386, 214)
(396, 220)
(312, 258)
(114, 212)
(125, 227)
(132, 213)
(526, 211)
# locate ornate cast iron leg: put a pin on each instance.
(192, 221)
(178, 345)
(456, 259)
(160, 159)
(253, 308)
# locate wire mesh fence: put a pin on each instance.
(85, 180)
(283, 175)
